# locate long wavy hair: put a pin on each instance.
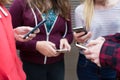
(59, 6)
(3, 2)
(88, 11)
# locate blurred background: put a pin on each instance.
(72, 57)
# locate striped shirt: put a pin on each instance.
(104, 22)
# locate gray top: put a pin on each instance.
(104, 22)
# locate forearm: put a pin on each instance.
(27, 46)
(110, 55)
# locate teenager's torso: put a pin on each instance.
(25, 16)
(104, 22)
(9, 61)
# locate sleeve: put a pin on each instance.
(69, 34)
(17, 12)
(3, 75)
(110, 52)
(79, 21)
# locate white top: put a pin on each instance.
(104, 22)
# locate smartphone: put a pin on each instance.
(81, 46)
(79, 29)
(62, 50)
(35, 28)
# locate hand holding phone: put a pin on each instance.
(35, 28)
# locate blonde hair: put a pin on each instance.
(3, 2)
(88, 12)
(59, 6)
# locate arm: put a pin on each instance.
(69, 33)
(16, 11)
(67, 37)
(79, 22)
(110, 52)
(105, 52)
(20, 32)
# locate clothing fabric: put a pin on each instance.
(110, 52)
(23, 15)
(88, 70)
(44, 72)
(10, 64)
(103, 23)
(51, 18)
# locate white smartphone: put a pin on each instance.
(62, 50)
(81, 46)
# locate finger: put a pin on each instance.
(88, 56)
(68, 47)
(81, 34)
(27, 28)
(32, 35)
(91, 43)
(61, 45)
(36, 31)
(96, 61)
(74, 33)
(52, 44)
(100, 38)
(20, 38)
(84, 38)
(28, 38)
(88, 36)
(53, 52)
(87, 52)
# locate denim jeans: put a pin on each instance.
(86, 70)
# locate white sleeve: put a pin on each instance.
(79, 16)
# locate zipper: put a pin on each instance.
(47, 33)
(47, 37)
(45, 58)
(3, 11)
(66, 29)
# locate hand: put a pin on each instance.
(93, 50)
(46, 48)
(64, 44)
(19, 32)
(80, 37)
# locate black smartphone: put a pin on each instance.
(35, 28)
(79, 29)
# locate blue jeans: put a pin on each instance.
(86, 70)
(53, 71)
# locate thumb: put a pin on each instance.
(52, 44)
